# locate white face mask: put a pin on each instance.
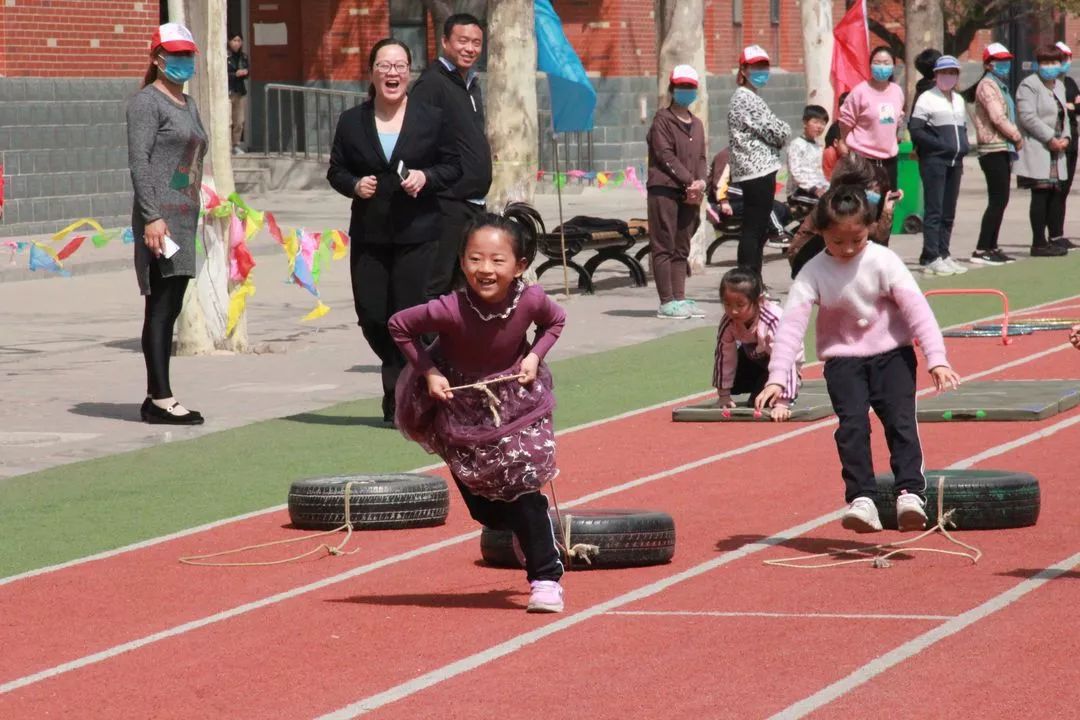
(946, 82)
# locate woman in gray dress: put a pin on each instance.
(166, 145)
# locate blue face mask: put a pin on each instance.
(1001, 68)
(684, 96)
(758, 78)
(1049, 72)
(873, 197)
(881, 73)
(1065, 66)
(179, 68)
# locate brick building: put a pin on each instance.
(68, 66)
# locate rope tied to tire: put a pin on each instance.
(581, 551)
(493, 402)
(944, 517)
(330, 551)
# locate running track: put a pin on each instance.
(412, 626)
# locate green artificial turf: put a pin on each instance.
(79, 509)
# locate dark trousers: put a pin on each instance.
(672, 224)
(890, 165)
(1057, 229)
(527, 517)
(1047, 212)
(386, 279)
(163, 306)
(996, 169)
(758, 196)
(750, 375)
(446, 265)
(886, 383)
(941, 188)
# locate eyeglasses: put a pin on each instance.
(385, 67)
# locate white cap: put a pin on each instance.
(996, 51)
(684, 75)
(753, 54)
(1063, 48)
(174, 37)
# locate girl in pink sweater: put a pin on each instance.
(744, 343)
(498, 439)
(869, 311)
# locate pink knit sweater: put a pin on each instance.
(866, 306)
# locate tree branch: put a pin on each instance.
(891, 39)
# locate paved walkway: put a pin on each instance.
(69, 348)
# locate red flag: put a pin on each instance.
(851, 50)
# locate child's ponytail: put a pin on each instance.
(520, 221)
(840, 202)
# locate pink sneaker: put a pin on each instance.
(546, 597)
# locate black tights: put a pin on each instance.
(162, 308)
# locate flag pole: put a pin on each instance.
(562, 231)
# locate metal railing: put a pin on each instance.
(300, 121)
(575, 151)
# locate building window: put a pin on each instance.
(774, 12)
(409, 25)
(736, 12)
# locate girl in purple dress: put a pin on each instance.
(496, 438)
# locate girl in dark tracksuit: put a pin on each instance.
(939, 131)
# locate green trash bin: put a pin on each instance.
(907, 219)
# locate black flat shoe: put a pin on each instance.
(1048, 250)
(154, 415)
(389, 405)
(1064, 242)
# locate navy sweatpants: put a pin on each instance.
(886, 383)
(527, 517)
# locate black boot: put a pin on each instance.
(388, 407)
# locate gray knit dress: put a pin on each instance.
(166, 146)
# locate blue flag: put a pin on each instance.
(573, 97)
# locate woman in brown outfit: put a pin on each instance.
(676, 188)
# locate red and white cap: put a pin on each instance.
(996, 51)
(173, 37)
(684, 75)
(752, 55)
(1063, 48)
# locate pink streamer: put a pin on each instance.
(632, 178)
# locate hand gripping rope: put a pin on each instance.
(882, 560)
(335, 550)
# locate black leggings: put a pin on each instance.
(159, 318)
(996, 169)
(758, 195)
(1047, 211)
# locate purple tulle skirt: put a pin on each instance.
(496, 460)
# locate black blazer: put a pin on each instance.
(391, 216)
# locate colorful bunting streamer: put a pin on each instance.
(603, 179)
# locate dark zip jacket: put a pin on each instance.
(463, 109)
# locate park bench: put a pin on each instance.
(608, 244)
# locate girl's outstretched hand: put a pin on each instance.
(945, 378)
(529, 366)
(438, 386)
(768, 397)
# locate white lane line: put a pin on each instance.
(149, 542)
(456, 540)
(472, 662)
(913, 647)
(814, 616)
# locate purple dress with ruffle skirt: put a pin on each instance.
(498, 450)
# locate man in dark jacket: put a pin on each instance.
(451, 84)
(238, 72)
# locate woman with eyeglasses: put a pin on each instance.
(391, 156)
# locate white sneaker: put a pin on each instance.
(939, 267)
(861, 516)
(956, 267)
(910, 515)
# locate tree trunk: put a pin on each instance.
(817, 24)
(202, 323)
(511, 102)
(680, 39)
(925, 23)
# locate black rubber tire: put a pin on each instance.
(912, 225)
(376, 502)
(983, 499)
(626, 538)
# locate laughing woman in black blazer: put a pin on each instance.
(395, 222)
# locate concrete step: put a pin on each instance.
(251, 179)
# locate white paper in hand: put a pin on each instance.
(171, 248)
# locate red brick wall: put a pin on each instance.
(337, 35)
(76, 38)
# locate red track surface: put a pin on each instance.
(331, 647)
